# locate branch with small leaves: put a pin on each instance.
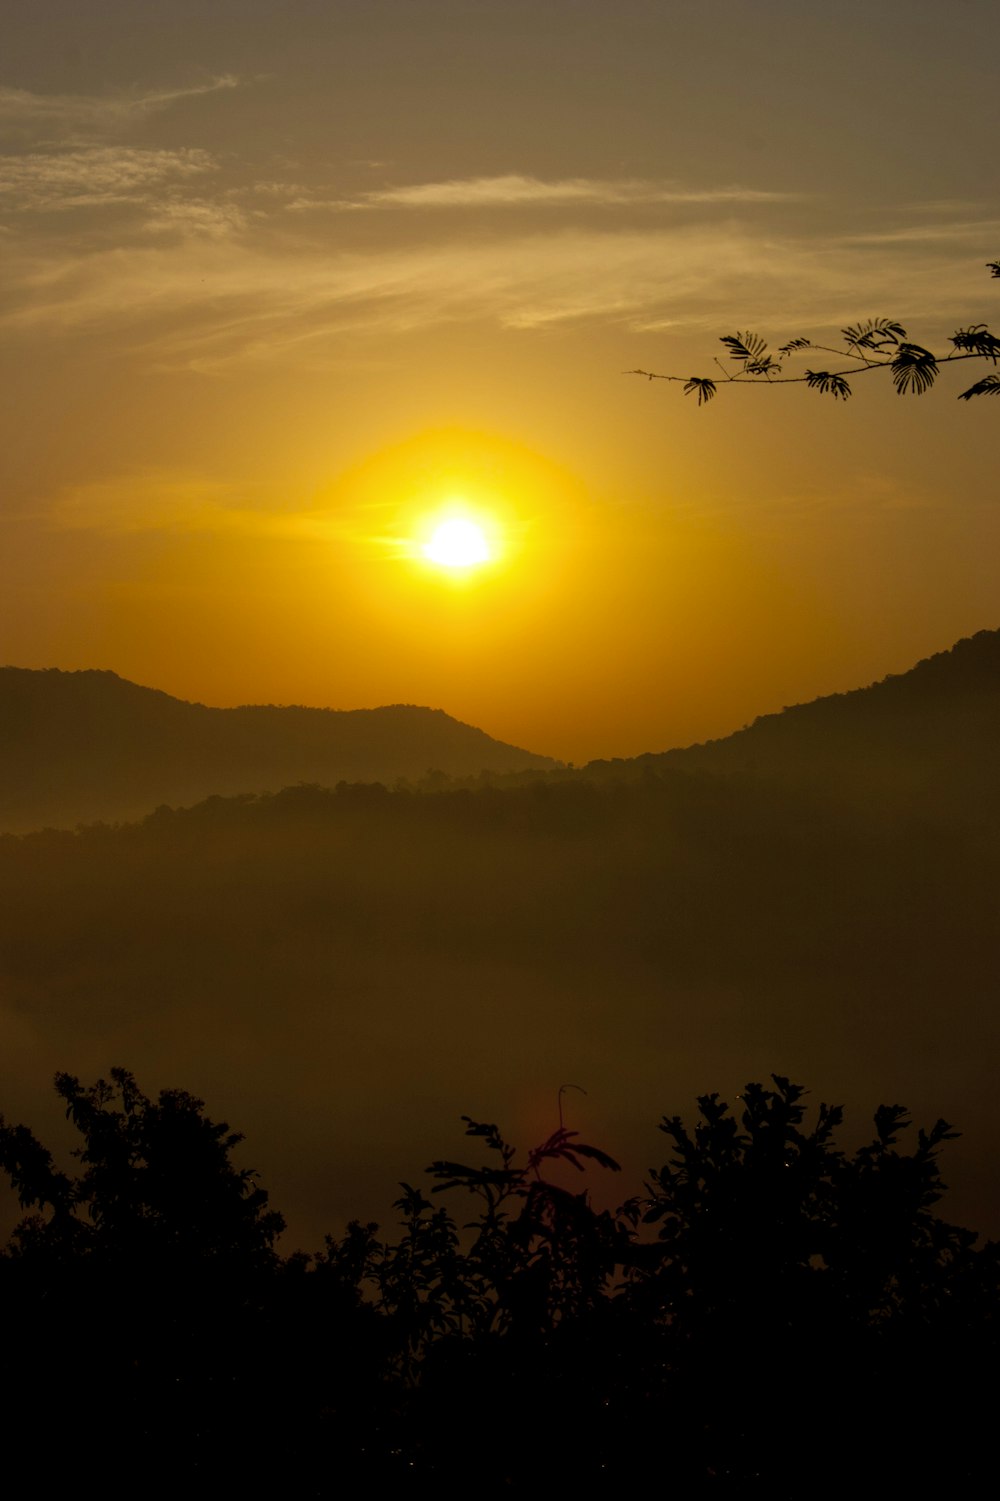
(874, 344)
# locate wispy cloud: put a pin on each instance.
(93, 175)
(214, 286)
(217, 219)
(160, 501)
(963, 231)
(225, 303)
(67, 113)
(515, 191)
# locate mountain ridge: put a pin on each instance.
(930, 732)
(91, 745)
(116, 749)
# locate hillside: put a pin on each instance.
(85, 746)
(932, 734)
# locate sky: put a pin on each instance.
(281, 285)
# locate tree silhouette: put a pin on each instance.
(140, 1293)
(870, 345)
(827, 1281)
(157, 1181)
(772, 1311)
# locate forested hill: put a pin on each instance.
(931, 732)
(84, 746)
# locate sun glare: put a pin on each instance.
(457, 543)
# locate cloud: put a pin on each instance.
(515, 191)
(220, 299)
(964, 231)
(159, 501)
(93, 175)
(197, 216)
(281, 292)
(68, 113)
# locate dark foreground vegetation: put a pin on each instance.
(772, 1311)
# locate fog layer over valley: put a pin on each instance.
(342, 972)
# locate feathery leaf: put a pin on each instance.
(874, 334)
(914, 369)
(826, 381)
(988, 386)
(750, 350)
(977, 340)
(704, 387)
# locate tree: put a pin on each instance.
(772, 1310)
(872, 344)
(143, 1298)
(772, 1313)
(158, 1182)
(539, 1255)
(808, 1310)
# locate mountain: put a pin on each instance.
(83, 746)
(929, 735)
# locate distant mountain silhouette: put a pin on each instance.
(84, 746)
(931, 733)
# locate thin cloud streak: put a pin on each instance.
(514, 191)
(221, 299)
(155, 501)
(987, 230)
(71, 112)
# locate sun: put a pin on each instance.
(457, 543)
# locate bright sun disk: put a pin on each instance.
(457, 543)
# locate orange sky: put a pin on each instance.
(279, 282)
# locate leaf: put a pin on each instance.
(704, 387)
(874, 334)
(795, 344)
(889, 1121)
(977, 340)
(598, 1156)
(988, 386)
(561, 1145)
(993, 267)
(825, 381)
(748, 348)
(914, 369)
(458, 1174)
(491, 1132)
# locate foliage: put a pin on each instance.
(873, 344)
(157, 1180)
(771, 1308)
(535, 1255)
(775, 1211)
